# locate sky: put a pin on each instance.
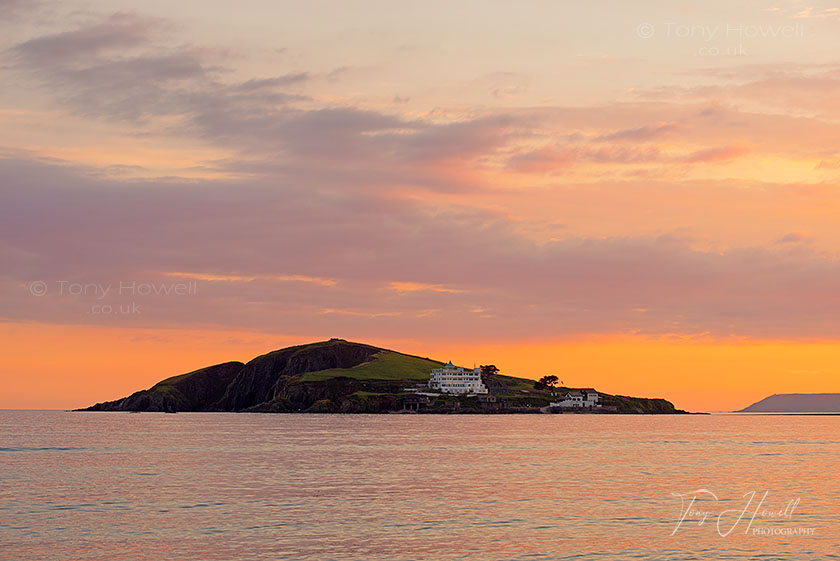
(637, 197)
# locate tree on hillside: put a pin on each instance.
(549, 381)
(488, 370)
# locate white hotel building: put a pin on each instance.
(454, 379)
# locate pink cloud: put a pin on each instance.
(722, 154)
(644, 133)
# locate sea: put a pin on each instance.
(226, 486)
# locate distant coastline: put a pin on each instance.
(811, 403)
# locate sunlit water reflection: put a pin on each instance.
(119, 486)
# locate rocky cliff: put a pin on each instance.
(196, 391)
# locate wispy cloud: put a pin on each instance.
(722, 154)
(406, 286)
(796, 237)
(239, 278)
(644, 133)
(358, 313)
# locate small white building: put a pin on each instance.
(454, 379)
(578, 398)
(590, 397)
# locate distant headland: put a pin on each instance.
(339, 376)
(796, 403)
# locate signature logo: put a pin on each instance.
(726, 521)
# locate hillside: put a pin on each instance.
(336, 376)
(796, 403)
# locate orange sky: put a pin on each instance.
(64, 367)
(615, 199)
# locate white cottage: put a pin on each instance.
(454, 379)
(590, 397)
(578, 398)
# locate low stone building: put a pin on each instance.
(414, 402)
(488, 402)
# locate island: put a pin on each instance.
(339, 376)
(796, 403)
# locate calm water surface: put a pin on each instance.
(120, 486)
